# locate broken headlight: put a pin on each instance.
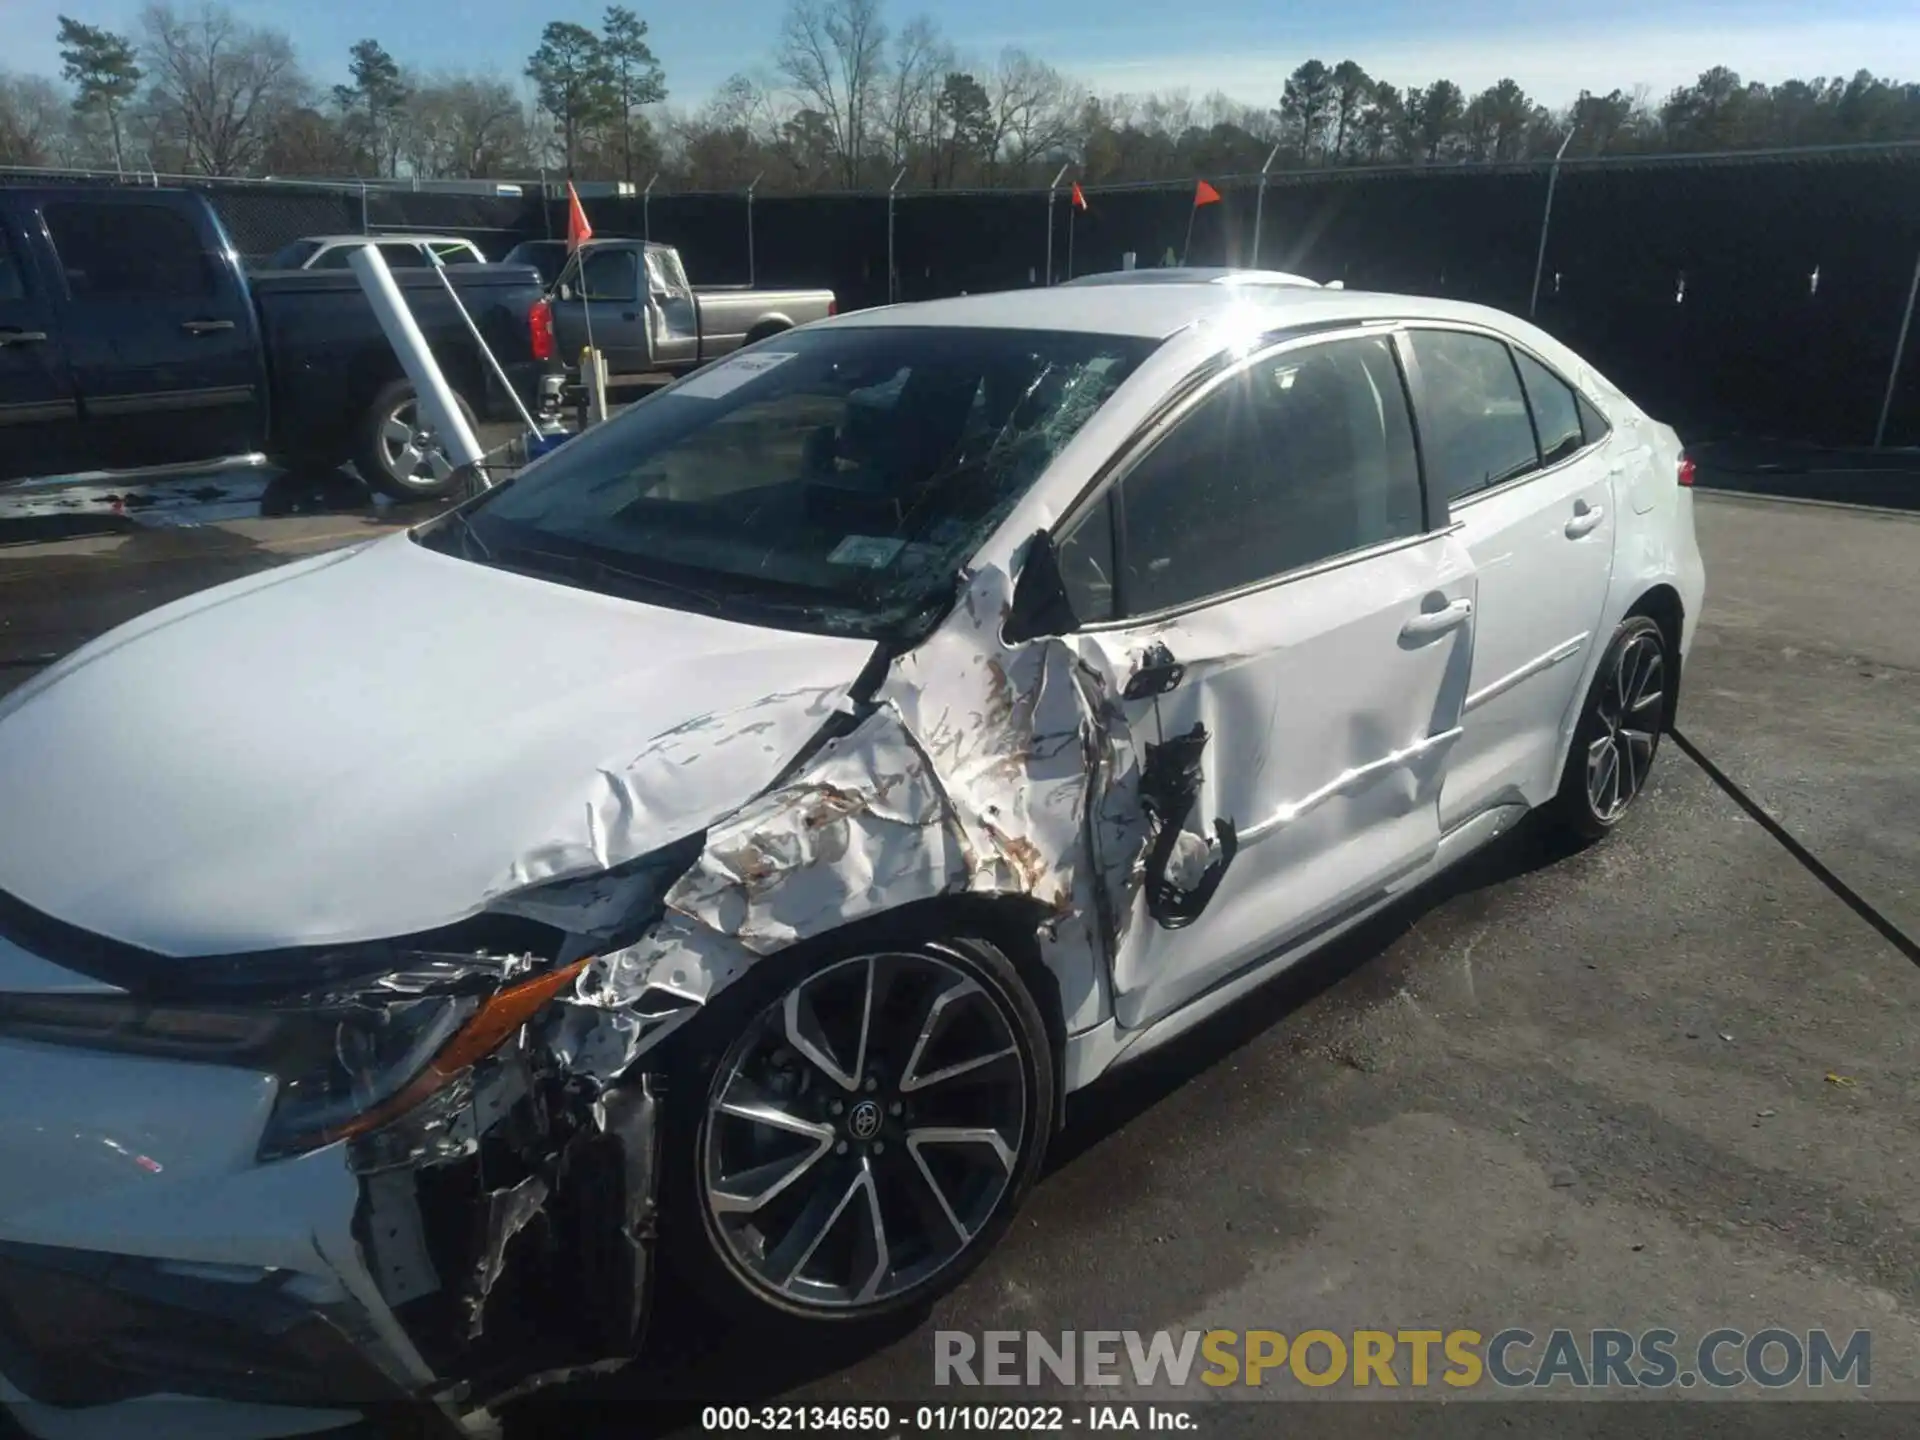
(348, 1061)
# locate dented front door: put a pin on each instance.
(1294, 681)
(1328, 705)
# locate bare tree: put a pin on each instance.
(833, 52)
(911, 92)
(465, 127)
(1034, 109)
(218, 84)
(33, 121)
(729, 139)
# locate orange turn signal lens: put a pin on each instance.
(491, 1026)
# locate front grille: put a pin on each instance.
(79, 1328)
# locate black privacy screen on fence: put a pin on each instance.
(1735, 295)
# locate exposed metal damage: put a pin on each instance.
(974, 766)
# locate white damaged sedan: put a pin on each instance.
(747, 825)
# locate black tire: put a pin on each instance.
(762, 332)
(695, 1143)
(1618, 735)
(372, 456)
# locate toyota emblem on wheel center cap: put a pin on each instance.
(863, 1121)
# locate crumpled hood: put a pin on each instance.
(378, 741)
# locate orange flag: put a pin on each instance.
(1205, 194)
(578, 230)
(1079, 198)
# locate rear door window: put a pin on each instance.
(1473, 419)
(130, 250)
(1556, 410)
(1593, 425)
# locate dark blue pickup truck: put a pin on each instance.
(132, 339)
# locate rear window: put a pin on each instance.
(838, 481)
(402, 254)
(134, 249)
(292, 257)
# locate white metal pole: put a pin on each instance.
(1546, 219)
(750, 190)
(486, 350)
(435, 396)
(646, 209)
(1899, 356)
(1053, 190)
(1260, 204)
(892, 190)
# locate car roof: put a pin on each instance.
(1194, 275)
(1159, 311)
(403, 236)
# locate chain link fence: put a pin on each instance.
(1738, 295)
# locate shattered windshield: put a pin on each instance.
(834, 480)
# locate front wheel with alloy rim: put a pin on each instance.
(1619, 730)
(398, 451)
(866, 1130)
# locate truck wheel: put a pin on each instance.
(397, 452)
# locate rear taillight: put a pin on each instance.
(833, 307)
(1686, 469)
(540, 330)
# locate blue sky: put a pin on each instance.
(1244, 47)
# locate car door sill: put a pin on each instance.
(1094, 1051)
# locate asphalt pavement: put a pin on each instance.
(1670, 1080)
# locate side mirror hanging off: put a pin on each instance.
(1040, 605)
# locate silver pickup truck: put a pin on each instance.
(634, 296)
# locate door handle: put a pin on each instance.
(205, 327)
(22, 337)
(1429, 623)
(1585, 518)
(629, 314)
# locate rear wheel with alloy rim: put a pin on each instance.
(868, 1131)
(1619, 730)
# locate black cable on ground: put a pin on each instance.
(1844, 892)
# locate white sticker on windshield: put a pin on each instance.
(869, 552)
(729, 375)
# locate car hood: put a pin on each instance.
(379, 741)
